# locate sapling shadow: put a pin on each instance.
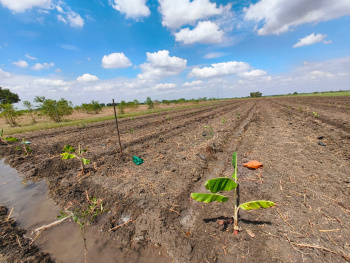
(69, 153)
(85, 216)
(227, 184)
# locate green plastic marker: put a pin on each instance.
(137, 160)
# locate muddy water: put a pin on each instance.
(33, 209)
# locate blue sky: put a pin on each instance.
(166, 49)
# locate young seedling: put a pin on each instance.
(26, 149)
(315, 114)
(210, 131)
(8, 139)
(84, 217)
(227, 184)
(238, 115)
(223, 121)
(69, 153)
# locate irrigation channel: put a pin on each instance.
(32, 208)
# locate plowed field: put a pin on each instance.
(306, 173)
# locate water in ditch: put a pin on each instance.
(33, 208)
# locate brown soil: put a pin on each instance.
(181, 150)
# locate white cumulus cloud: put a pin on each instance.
(75, 20)
(220, 69)
(164, 86)
(253, 73)
(312, 39)
(131, 8)
(160, 64)
(115, 60)
(205, 32)
(21, 64)
(317, 74)
(279, 16)
(183, 12)
(192, 83)
(20, 6)
(39, 66)
(4, 74)
(87, 78)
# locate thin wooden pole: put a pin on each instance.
(116, 121)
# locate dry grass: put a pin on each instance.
(80, 118)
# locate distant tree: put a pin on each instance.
(255, 94)
(150, 103)
(6, 96)
(9, 113)
(92, 107)
(109, 104)
(103, 104)
(30, 109)
(137, 103)
(295, 93)
(122, 106)
(166, 102)
(55, 110)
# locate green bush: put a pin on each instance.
(55, 110)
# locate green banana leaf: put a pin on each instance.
(256, 204)
(234, 164)
(208, 198)
(10, 139)
(220, 184)
(67, 156)
(85, 161)
(68, 148)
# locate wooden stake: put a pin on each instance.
(116, 121)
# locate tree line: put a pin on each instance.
(55, 110)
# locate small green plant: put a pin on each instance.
(300, 109)
(69, 153)
(131, 131)
(223, 121)
(85, 217)
(227, 184)
(210, 131)
(168, 118)
(315, 114)
(82, 126)
(26, 149)
(8, 139)
(238, 115)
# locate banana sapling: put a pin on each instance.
(69, 153)
(227, 184)
(8, 139)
